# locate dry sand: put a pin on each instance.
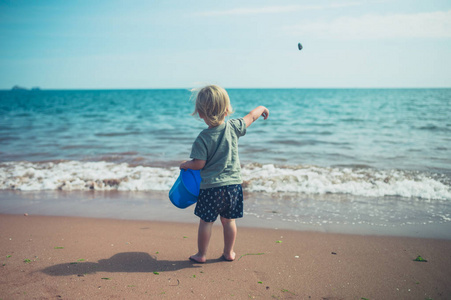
(84, 258)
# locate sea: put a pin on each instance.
(364, 161)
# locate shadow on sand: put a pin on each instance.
(122, 262)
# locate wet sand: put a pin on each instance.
(47, 257)
(260, 211)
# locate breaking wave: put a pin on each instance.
(301, 179)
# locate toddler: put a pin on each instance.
(215, 153)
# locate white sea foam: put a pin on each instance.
(75, 175)
(355, 181)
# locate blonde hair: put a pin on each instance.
(212, 104)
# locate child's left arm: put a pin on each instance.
(255, 114)
(194, 164)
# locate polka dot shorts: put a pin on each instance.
(226, 201)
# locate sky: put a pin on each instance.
(113, 44)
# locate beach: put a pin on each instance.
(343, 190)
(336, 122)
(49, 257)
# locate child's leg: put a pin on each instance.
(203, 239)
(229, 228)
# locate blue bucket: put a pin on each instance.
(186, 188)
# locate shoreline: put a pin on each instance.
(87, 258)
(260, 212)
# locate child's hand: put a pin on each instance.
(255, 114)
(183, 165)
(195, 164)
(265, 113)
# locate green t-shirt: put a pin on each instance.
(218, 146)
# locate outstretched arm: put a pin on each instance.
(195, 164)
(255, 114)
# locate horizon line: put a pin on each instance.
(235, 88)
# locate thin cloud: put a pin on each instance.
(420, 25)
(273, 9)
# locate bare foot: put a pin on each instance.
(198, 258)
(229, 257)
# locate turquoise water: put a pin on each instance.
(401, 129)
(377, 157)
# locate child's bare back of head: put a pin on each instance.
(212, 105)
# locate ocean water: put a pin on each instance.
(375, 157)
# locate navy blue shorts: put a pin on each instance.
(226, 201)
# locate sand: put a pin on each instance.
(43, 257)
